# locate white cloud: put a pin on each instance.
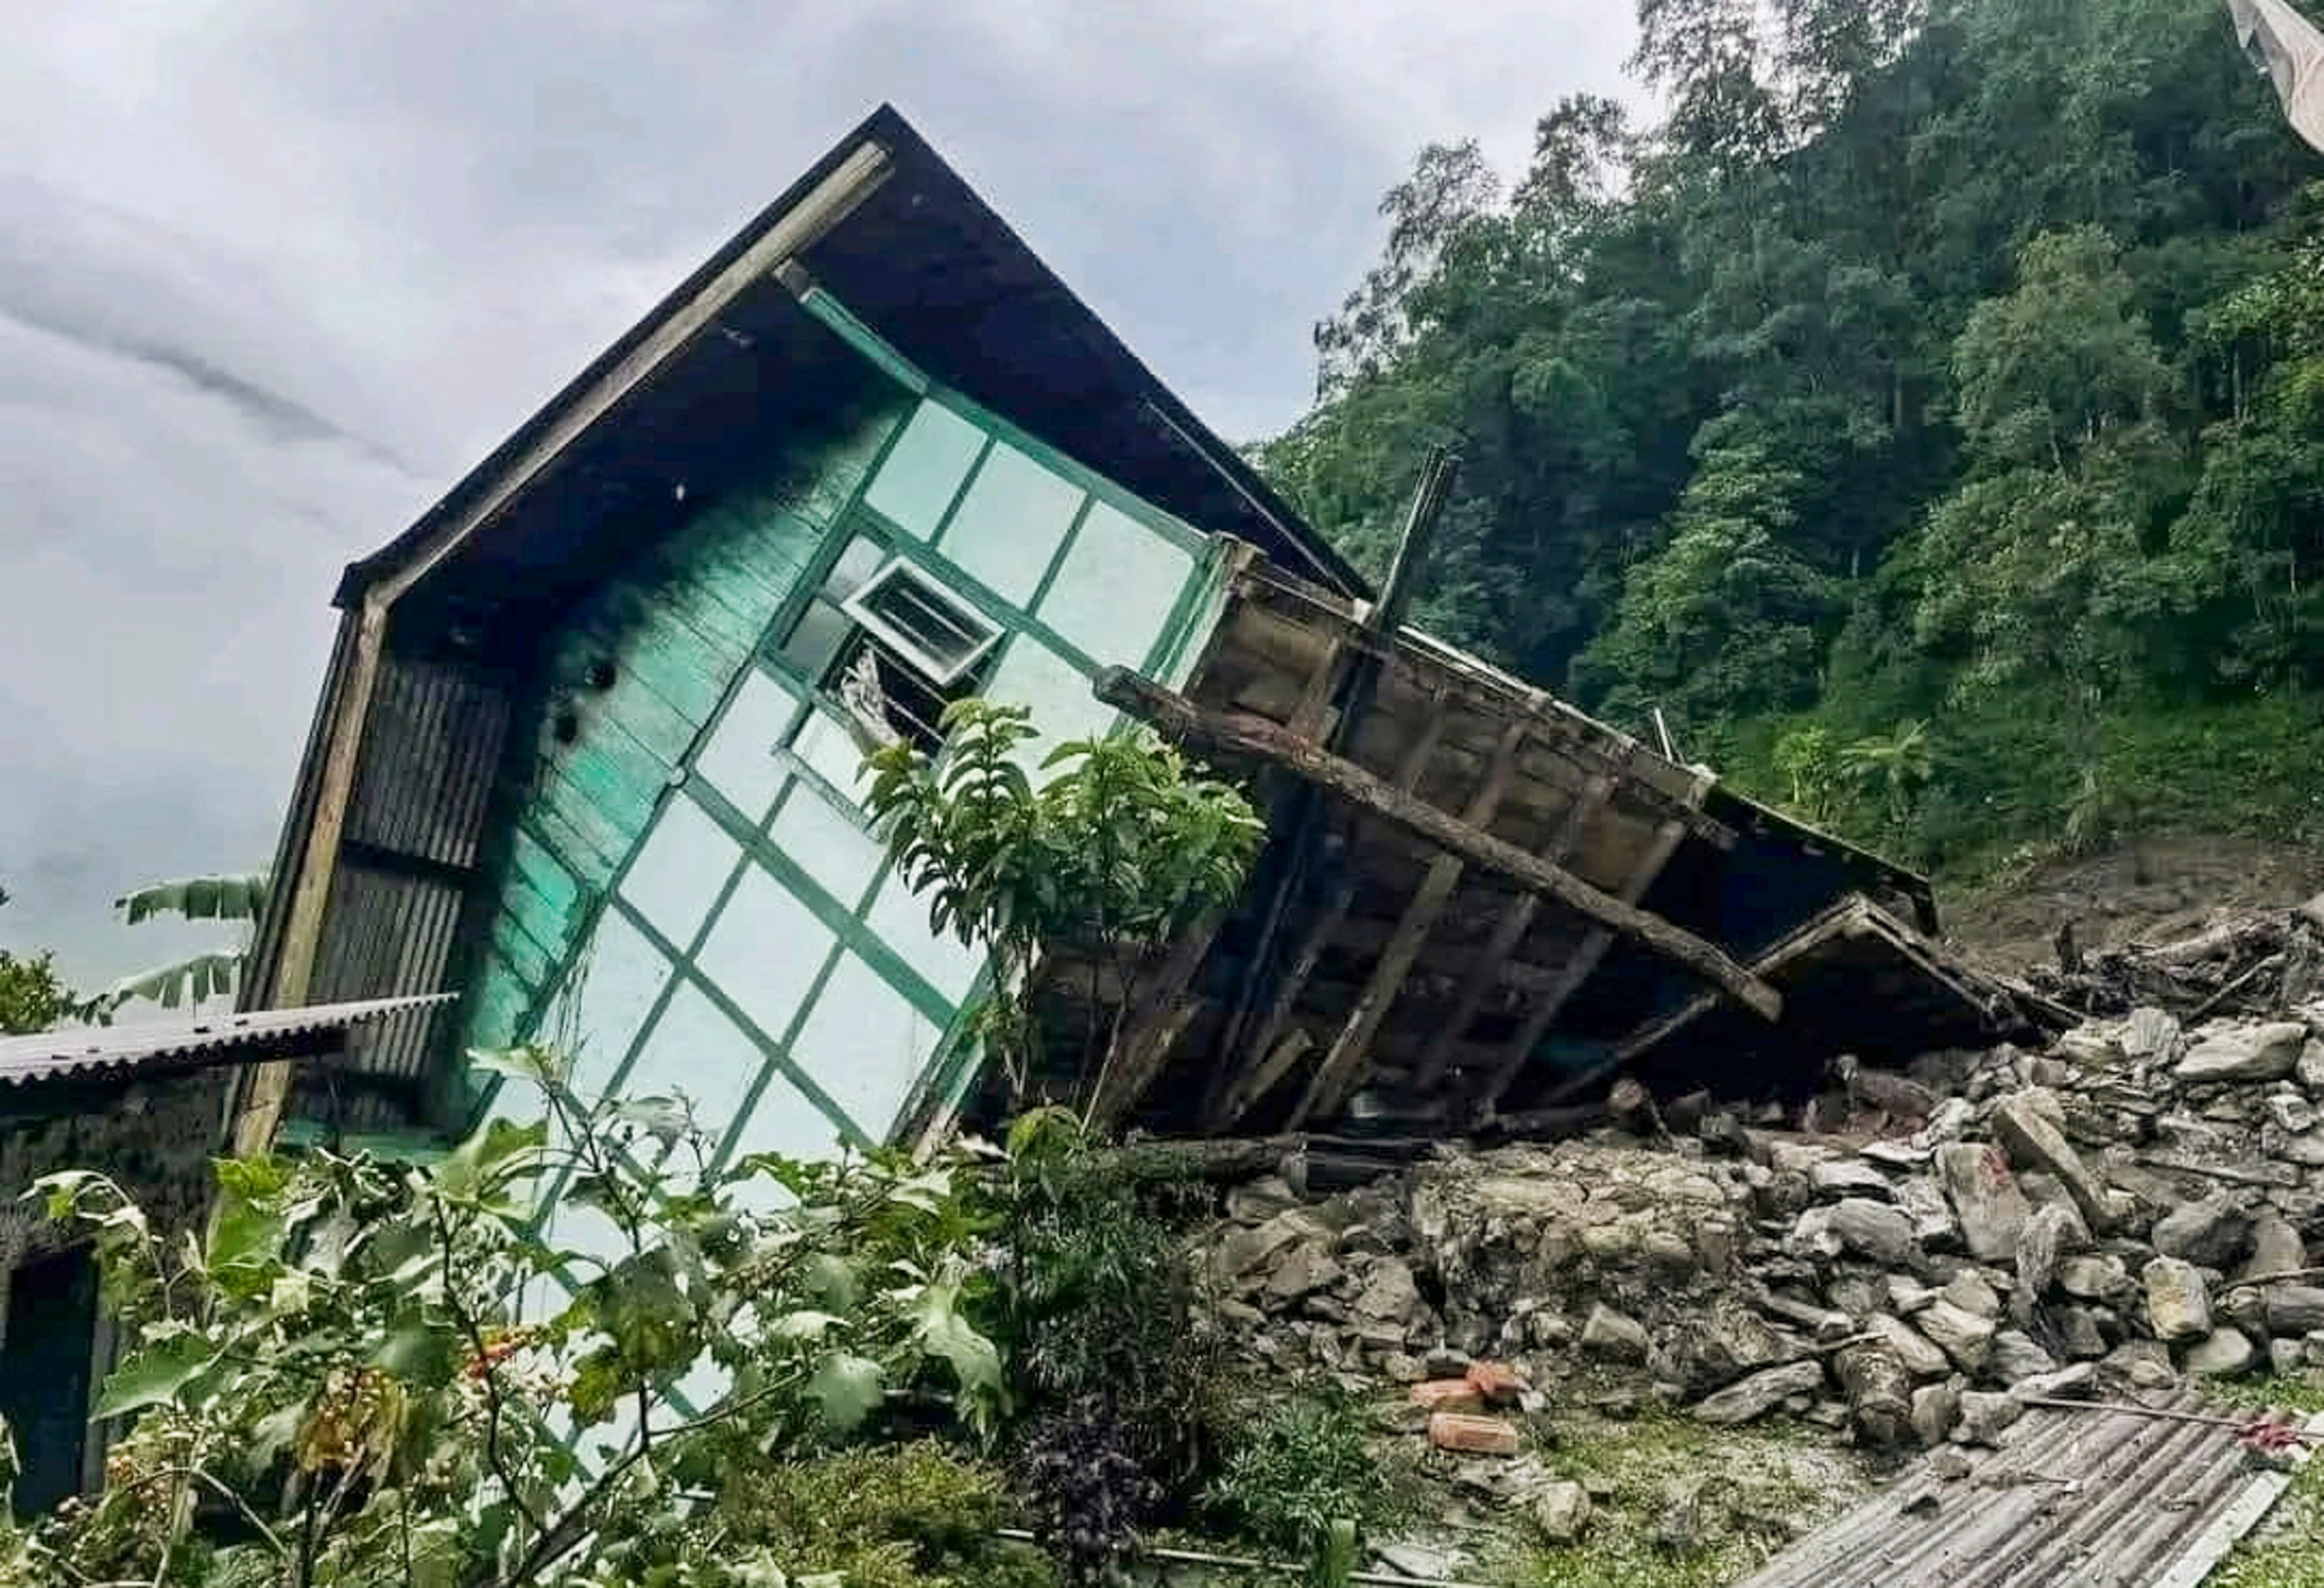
(273, 274)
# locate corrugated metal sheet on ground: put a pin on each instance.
(2098, 1499)
(237, 1039)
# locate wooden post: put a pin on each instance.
(1241, 734)
(1259, 1073)
(1342, 1069)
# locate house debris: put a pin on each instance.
(1940, 1259)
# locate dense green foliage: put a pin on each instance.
(33, 997)
(1938, 375)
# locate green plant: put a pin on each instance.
(1298, 1467)
(1896, 766)
(1088, 1492)
(339, 1385)
(1812, 769)
(197, 978)
(1122, 846)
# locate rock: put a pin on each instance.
(1986, 1198)
(1307, 1267)
(1923, 1202)
(1964, 1337)
(2078, 1382)
(1835, 1177)
(1401, 1369)
(2223, 1353)
(2311, 1350)
(1444, 1362)
(1614, 1336)
(2306, 1150)
(1986, 1416)
(2294, 1310)
(1254, 1201)
(1416, 1560)
(2150, 1034)
(1244, 1250)
(2178, 1303)
(2050, 1234)
(1561, 1513)
(2079, 1334)
(1722, 1343)
(1684, 1115)
(1869, 1229)
(1971, 1291)
(1879, 1392)
(2310, 1069)
(2286, 1357)
(1759, 1394)
(1471, 1436)
(2276, 1247)
(1936, 1409)
(2093, 1279)
(2213, 1234)
(1684, 1526)
(2025, 1124)
(1723, 1132)
(2242, 1306)
(1949, 1466)
(2289, 1111)
(2267, 1052)
(1907, 1295)
(2142, 1364)
(1859, 1296)
(1796, 1157)
(1389, 1292)
(1922, 1357)
(2017, 1356)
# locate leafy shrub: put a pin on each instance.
(913, 1514)
(1295, 1469)
(1088, 1494)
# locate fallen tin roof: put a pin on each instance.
(2095, 1499)
(127, 1052)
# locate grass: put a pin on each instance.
(2287, 1549)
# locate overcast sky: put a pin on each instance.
(275, 272)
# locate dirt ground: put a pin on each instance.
(2159, 890)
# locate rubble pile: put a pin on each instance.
(1912, 1261)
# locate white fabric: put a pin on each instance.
(2289, 50)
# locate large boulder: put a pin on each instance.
(2178, 1302)
(1615, 1337)
(1986, 1199)
(2215, 1232)
(1760, 1394)
(1961, 1334)
(2024, 1124)
(2264, 1052)
(2294, 1311)
(2223, 1353)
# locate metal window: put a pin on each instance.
(926, 627)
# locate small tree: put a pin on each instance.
(33, 997)
(1120, 849)
(1896, 766)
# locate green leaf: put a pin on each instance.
(847, 1389)
(154, 1376)
(805, 1324)
(941, 1332)
(490, 1159)
(828, 1280)
(420, 1352)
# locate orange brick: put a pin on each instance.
(1497, 1381)
(1471, 1436)
(1448, 1395)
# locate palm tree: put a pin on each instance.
(1899, 763)
(195, 980)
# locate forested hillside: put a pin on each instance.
(1928, 415)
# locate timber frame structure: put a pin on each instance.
(1508, 897)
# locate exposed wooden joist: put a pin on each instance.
(1587, 957)
(1166, 1011)
(1252, 1078)
(1342, 1069)
(1239, 733)
(1517, 920)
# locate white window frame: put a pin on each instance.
(856, 606)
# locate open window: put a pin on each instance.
(891, 645)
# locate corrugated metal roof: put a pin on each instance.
(2098, 1499)
(236, 1039)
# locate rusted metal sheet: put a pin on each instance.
(126, 1052)
(2096, 1499)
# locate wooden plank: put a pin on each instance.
(1578, 969)
(1252, 1081)
(1342, 1069)
(1515, 921)
(1145, 1046)
(1255, 737)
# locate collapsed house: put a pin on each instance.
(587, 754)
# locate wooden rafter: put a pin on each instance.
(1241, 734)
(1517, 920)
(1342, 1069)
(1255, 1077)
(1587, 956)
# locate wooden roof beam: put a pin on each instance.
(1239, 733)
(1343, 1066)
